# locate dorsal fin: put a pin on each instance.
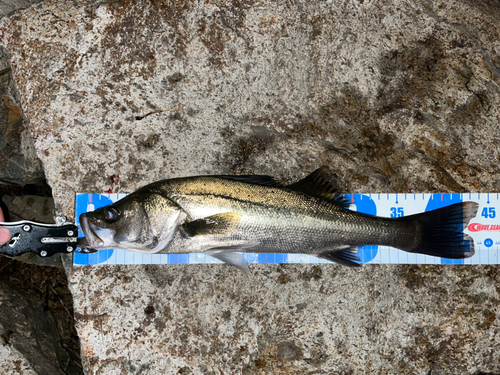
(322, 183)
(258, 179)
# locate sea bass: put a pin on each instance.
(223, 216)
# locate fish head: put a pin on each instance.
(144, 223)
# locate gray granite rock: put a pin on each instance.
(394, 96)
(288, 319)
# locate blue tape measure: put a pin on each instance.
(484, 230)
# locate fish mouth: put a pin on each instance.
(93, 239)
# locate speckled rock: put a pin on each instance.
(394, 96)
(400, 96)
(288, 319)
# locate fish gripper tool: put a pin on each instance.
(42, 239)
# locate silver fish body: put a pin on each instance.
(223, 216)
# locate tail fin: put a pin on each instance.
(442, 231)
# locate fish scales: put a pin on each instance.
(282, 221)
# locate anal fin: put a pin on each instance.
(344, 256)
(234, 259)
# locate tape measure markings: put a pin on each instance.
(484, 229)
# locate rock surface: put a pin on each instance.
(395, 96)
(30, 207)
(24, 326)
(12, 361)
(20, 165)
(9, 7)
(288, 319)
(37, 333)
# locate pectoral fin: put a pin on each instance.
(212, 225)
(346, 256)
(234, 259)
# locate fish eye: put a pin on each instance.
(111, 214)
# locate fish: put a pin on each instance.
(225, 216)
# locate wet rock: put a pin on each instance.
(9, 7)
(397, 96)
(30, 207)
(30, 338)
(20, 165)
(37, 334)
(37, 328)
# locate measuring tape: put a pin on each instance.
(484, 230)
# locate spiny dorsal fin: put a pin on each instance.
(346, 257)
(258, 180)
(212, 225)
(322, 183)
